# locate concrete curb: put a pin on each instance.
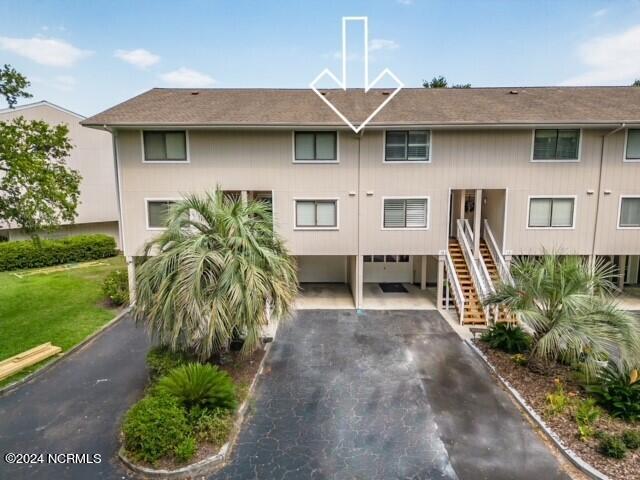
(52, 363)
(211, 463)
(580, 464)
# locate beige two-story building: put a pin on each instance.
(436, 194)
(92, 156)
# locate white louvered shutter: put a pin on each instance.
(416, 213)
(393, 213)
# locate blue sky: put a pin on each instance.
(88, 55)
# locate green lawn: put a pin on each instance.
(62, 307)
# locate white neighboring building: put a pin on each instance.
(92, 156)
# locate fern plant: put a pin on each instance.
(198, 385)
(508, 338)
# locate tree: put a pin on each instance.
(567, 305)
(441, 82)
(217, 267)
(13, 85)
(636, 83)
(37, 189)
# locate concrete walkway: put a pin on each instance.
(382, 395)
(76, 407)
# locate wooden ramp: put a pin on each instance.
(25, 359)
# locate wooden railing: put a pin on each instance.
(454, 282)
(498, 258)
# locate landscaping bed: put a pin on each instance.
(561, 382)
(198, 430)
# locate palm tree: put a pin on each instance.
(219, 270)
(567, 305)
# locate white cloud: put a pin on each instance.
(46, 51)
(612, 59)
(139, 57)
(185, 77)
(66, 83)
(600, 13)
(382, 44)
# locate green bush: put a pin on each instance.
(557, 401)
(508, 338)
(186, 449)
(214, 426)
(154, 427)
(116, 287)
(161, 360)
(197, 385)
(631, 439)
(612, 446)
(617, 390)
(587, 414)
(44, 253)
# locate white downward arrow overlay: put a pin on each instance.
(343, 82)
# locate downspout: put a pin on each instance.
(599, 190)
(360, 271)
(116, 169)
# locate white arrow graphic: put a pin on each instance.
(343, 82)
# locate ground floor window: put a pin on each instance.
(629, 212)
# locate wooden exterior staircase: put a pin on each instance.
(473, 312)
(495, 278)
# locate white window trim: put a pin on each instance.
(146, 211)
(313, 199)
(620, 227)
(624, 152)
(573, 219)
(186, 141)
(330, 162)
(406, 229)
(406, 162)
(552, 160)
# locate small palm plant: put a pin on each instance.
(567, 305)
(198, 385)
(218, 271)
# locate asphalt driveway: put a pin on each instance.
(382, 395)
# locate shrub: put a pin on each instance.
(116, 287)
(44, 253)
(186, 449)
(508, 338)
(161, 360)
(612, 446)
(519, 359)
(154, 427)
(197, 385)
(557, 401)
(617, 390)
(631, 439)
(214, 426)
(587, 414)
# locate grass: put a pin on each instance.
(61, 307)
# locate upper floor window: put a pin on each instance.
(551, 212)
(316, 147)
(157, 212)
(632, 148)
(165, 146)
(405, 213)
(556, 144)
(407, 145)
(316, 213)
(629, 212)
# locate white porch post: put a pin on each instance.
(244, 196)
(359, 280)
(622, 267)
(131, 272)
(439, 299)
(460, 210)
(477, 222)
(423, 273)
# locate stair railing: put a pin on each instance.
(454, 282)
(498, 258)
(479, 275)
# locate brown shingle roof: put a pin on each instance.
(412, 106)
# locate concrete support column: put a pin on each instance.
(477, 223)
(622, 266)
(244, 195)
(131, 271)
(359, 280)
(439, 299)
(423, 273)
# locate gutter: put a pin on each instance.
(599, 190)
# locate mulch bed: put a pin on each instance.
(534, 388)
